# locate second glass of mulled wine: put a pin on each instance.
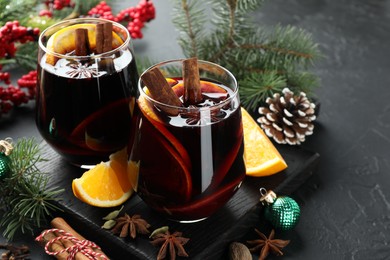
(189, 139)
(87, 85)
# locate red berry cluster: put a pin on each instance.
(12, 33)
(11, 96)
(135, 16)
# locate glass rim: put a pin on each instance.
(76, 21)
(182, 108)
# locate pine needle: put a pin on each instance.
(25, 197)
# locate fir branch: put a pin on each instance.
(16, 9)
(25, 197)
(256, 87)
(189, 18)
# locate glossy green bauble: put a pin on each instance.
(283, 213)
(4, 166)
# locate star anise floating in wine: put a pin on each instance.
(80, 70)
(130, 225)
(173, 242)
(266, 244)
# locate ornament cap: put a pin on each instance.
(6, 146)
(267, 197)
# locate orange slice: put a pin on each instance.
(163, 171)
(86, 135)
(63, 41)
(107, 184)
(147, 110)
(261, 156)
(205, 87)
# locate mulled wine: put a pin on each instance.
(85, 103)
(190, 162)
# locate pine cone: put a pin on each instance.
(288, 118)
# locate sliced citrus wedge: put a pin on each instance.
(261, 156)
(63, 41)
(105, 185)
(147, 110)
(109, 121)
(206, 87)
(164, 171)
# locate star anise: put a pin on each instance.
(267, 244)
(82, 70)
(171, 242)
(194, 117)
(133, 225)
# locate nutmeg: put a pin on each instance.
(238, 251)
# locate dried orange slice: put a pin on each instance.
(261, 156)
(107, 184)
(63, 41)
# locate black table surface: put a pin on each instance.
(345, 205)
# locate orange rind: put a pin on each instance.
(63, 41)
(261, 156)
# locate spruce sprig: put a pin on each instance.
(264, 60)
(25, 197)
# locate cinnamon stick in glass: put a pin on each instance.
(82, 42)
(103, 45)
(161, 91)
(191, 82)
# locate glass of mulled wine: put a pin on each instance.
(189, 154)
(86, 90)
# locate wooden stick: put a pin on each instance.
(161, 91)
(192, 92)
(81, 42)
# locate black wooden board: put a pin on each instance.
(209, 239)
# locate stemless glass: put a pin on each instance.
(189, 164)
(84, 104)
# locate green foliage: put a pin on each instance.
(16, 10)
(25, 198)
(264, 60)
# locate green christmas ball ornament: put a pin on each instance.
(283, 212)
(5, 150)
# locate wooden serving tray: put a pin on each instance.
(209, 239)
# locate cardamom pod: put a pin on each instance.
(238, 251)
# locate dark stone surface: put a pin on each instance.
(346, 204)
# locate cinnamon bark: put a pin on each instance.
(103, 37)
(104, 44)
(161, 91)
(82, 42)
(60, 223)
(56, 246)
(192, 92)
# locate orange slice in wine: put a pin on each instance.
(163, 170)
(110, 120)
(205, 87)
(63, 41)
(148, 111)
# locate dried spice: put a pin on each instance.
(194, 117)
(14, 252)
(82, 70)
(264, 245)
(130, 225)
(172, 242)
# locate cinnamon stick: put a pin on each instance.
(104, 44)
(60, 223)
(192, 92)
(82, 42)
(161, 91)
(103, 37)
(56, 246)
